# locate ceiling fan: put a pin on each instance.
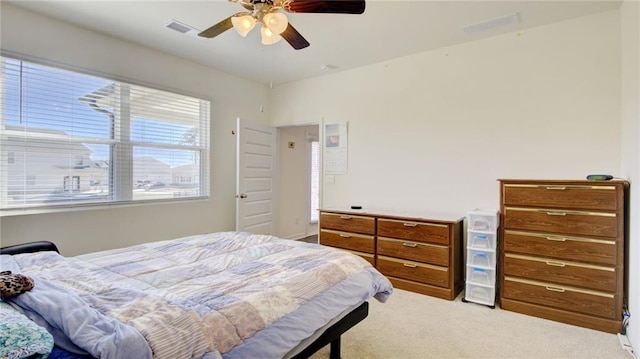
(274, 23)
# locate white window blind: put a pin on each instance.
(69, 139)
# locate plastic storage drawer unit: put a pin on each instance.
(482, 244)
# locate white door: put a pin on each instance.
(255, 177)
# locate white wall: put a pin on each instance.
(84, 231)
(630, 18)
(294, 176)
(434, 131)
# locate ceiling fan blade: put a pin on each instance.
(325, 6)
(218, 28)
(293, 37)
(247, 6)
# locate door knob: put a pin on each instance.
(243, 195)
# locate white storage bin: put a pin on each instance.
(482, 253)
(480, 294)
(481, 258)
(478, 275)
(481, 240)
(483, 220)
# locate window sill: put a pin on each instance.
(93, 207)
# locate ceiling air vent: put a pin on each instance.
(491, 24)
(182, 28)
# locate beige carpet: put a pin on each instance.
(411, 325)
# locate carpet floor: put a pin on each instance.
(412, 325)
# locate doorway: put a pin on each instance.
(298, 181)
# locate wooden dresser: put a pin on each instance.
(352, 232)
(418, 252)
(562, 250)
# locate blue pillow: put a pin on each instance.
(20, 337)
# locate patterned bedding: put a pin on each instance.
(227, 294)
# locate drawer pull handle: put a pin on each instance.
(345, 235)
(345, 217)
(412, 245)
(555, 289)
(555, 264)
(556, 239)
(409, 265)
(556, 213)
(410, 224)
(560, 188)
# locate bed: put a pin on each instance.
(218, 295)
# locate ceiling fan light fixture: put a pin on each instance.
(243, 24)
(268, 36)
(276, 22)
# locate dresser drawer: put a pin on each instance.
(414, 251)
(561, 297)
(347, 240)
(561, 221)
(419, 272)
(347, 222)
(600, 197)
(414, 231)
(561, 272)
(561, 247)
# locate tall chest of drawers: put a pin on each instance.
(562, 251)
(418, 252)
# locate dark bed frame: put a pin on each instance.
(330, 336)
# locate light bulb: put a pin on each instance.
(276, 22)
(243, 24)
(268, 36)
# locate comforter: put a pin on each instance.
(227, 294)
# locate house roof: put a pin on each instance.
(42, 137)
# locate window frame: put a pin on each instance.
(203, 149)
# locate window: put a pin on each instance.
(110, 141)
(71, 184)
(315, 182)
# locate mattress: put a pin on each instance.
(216, 295)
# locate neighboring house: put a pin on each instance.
(51, 172)
(186, 175)
(150, 170)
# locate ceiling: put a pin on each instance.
(387, 29)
